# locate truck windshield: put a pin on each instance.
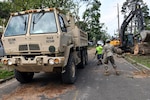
(43, 22)
(17, 26)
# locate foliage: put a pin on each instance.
(66, 5)
(17, 5)
(92, 19)
(4, 11)
(5, 74)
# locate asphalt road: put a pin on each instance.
(91, 84)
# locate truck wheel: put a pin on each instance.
(86, 57)
(69, 76)
(83, 60)
(23, 77)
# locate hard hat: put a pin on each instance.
(100, 42)
(107, 40)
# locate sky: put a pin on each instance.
(109, 14)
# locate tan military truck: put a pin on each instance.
(44, 40)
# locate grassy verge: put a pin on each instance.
(4, 74)
(142, 59)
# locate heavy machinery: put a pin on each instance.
(115, 42)
(134, 43)
(44, 40)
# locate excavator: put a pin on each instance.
(138, 42)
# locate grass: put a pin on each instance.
(6, 74)
(142, 59)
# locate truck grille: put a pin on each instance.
(23, 47)
(34, 47)
(29, 47)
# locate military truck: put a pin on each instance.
(44, 40)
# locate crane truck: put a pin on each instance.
(44, 40)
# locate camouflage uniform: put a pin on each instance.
(108, 56)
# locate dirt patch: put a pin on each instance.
(37, 92)
(141, 74)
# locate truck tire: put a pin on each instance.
(83, 59)
(23, 77)
(86, 57)
(69, 76)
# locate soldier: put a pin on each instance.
(99, 50)
(108, 50)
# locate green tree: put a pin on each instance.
(92, 18)
(18, 5)
(11, 6)
(4, 12)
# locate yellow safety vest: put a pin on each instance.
(99, 49)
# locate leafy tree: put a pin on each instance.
(92, 18)
(19, 5)
(4, 12)
(10, 6)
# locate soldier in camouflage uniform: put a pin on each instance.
(108, 50)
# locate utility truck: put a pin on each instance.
(44, 40)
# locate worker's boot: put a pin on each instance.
(116, 71)
(106, 73)
(100, 61)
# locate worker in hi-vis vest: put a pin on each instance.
(99, 50)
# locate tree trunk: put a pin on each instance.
(142, 48)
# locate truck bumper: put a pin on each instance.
(36, 64)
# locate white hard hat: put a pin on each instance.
(107, 40)
(100, 42)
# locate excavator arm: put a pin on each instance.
(126, 40)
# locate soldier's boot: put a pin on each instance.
(116, 71)
(106, 71)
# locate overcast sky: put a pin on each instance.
(109, 14)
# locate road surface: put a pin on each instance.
(91, 84)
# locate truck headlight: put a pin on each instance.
(51, 61)
(5, 62)
(56, 61)
(9, 62)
